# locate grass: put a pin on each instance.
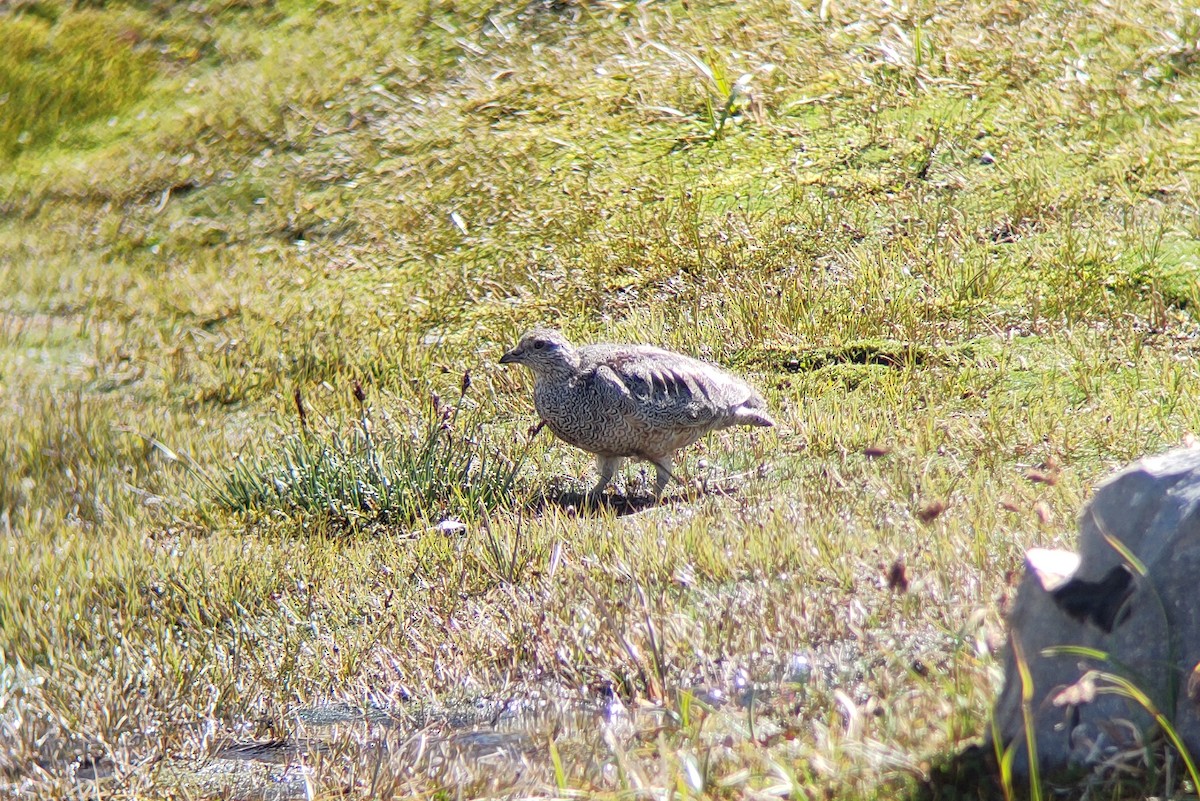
(58, 74)
(374, 477)
(202, 222)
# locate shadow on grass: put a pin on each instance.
(577, 503)
(574, 502)
(969, 774)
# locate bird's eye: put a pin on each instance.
(538, 344)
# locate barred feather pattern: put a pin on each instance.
(632, 400)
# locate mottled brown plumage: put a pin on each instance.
(631, 401)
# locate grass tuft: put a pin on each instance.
(377, 473)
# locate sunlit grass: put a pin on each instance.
(57, 74)
(953, 246)
(378, 474)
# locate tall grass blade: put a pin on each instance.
(1027, 689)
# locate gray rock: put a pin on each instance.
(1148, 625)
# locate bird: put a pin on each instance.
(621, 401)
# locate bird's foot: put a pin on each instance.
(595, 498)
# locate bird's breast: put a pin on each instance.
(580, 415)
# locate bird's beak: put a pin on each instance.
(509, 357)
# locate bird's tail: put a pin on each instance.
(753, 417)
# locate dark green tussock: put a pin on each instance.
(885, 353)
(56, 75)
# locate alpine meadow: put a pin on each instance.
(276, 523)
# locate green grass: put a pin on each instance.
(374, 477)
(57, 75)
(209, 208)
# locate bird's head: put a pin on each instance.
(544, 351)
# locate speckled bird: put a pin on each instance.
(631, 401)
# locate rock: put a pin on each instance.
(450, 526)
(1148, 625)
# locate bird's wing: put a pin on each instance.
(663, 388)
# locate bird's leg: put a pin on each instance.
(605, 466)
(663, 475)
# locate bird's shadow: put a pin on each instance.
(575, 502)
(578, 503)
